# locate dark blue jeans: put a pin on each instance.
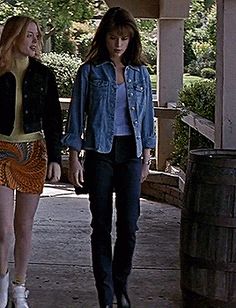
(118, 171)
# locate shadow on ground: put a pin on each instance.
(60, 272)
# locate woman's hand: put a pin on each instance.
(146, 162)
(54, 172)
(76, 170)
(145, 172)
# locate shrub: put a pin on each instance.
(205, 58)
(196, 66)
(65, 67)
(198, 97)
(208, 72)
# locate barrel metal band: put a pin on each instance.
(208, 264)
(194, 298)
(221, 221)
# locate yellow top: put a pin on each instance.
(19, 67)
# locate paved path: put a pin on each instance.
(60, 272)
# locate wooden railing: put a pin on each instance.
(204, 126)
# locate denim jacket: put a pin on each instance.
(90, 123)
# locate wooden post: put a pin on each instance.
(225, 117)
(170, 80)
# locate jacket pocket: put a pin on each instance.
(139, 88)
(98, 90)
(98, 83)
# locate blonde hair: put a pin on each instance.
(13, 33)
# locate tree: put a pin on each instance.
(209, 3)
(56, 15)
(148, 31)
(200, 35)
(61, 13)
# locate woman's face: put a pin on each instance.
(117, 43)
(29, 45)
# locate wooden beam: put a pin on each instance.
(170, 9)
(166, 9)
(166, 113)
(139, 8)
(200, 124)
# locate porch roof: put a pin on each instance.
(154, 8)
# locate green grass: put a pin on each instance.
(153, 80)
(187, 79)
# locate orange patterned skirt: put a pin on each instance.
(23, 165)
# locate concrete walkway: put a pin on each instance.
(60, 273)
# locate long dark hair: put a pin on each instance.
(119, 19)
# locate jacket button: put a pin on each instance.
(25, 96)
(131, 94)
(26, 111)
(132, 108)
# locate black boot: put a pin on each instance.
(123, 300)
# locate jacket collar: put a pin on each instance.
(105, 63)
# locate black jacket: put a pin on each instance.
(41, 106)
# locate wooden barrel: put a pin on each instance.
(208, 230)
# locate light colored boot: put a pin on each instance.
(19, 296)
(4, 284)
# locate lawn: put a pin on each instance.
(187, 79)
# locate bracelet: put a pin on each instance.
(148, 162)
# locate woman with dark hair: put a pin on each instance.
(30, 133)
(111, 118)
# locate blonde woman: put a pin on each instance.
(30, 132)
